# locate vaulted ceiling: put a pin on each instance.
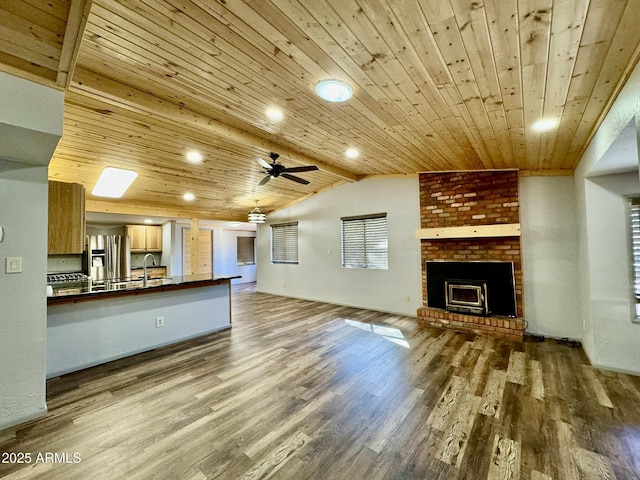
(438, 85)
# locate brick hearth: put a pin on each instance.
(458, 199)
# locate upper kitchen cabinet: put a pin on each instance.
(145, 238)
(66, 218)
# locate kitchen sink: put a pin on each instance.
(133, 284)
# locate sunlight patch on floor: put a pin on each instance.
(388, 333)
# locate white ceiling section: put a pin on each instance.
(438, 85)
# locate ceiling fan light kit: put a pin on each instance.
(274, 170)
(333, 90)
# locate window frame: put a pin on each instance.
(364, 232)
(633, 203)
(244, 238)
(284, 237)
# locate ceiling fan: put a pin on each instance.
(274, 170)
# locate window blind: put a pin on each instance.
(284, 243)
(364, 241)
(246, 250)
(634, 203)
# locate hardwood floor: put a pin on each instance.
(305, 390)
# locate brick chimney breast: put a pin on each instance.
(457, 199)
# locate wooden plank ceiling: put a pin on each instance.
(438, 85)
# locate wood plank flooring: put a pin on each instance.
(305, 390)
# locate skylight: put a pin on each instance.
(113, 182)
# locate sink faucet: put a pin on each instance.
(144, 267)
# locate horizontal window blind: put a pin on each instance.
(284, 243)
(634, 204)
(364, 241)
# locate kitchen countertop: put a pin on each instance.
(136, 287)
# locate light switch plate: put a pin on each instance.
(13, 265)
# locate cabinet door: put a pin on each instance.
(157, 272)
(137, 235)
(153, 239)
(66, 218)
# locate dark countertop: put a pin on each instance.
(136, 287)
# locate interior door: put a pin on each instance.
(205, 252)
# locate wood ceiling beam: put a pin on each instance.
(151, 211)
(76, 23)
(114, 93)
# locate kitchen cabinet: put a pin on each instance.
(153, 238)
(66, 218)
(144, 238)
(152, 272)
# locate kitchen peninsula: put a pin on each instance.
(103, 324)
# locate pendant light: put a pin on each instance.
(256, 216)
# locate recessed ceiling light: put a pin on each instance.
(544, 124)
(113, 182)
(333, 90)
(275, 114)
(352, 153)
(234, 224)
(194, 157)
(189, 197)
(148, 221)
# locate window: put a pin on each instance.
(364, 241)
(246, 252)
(284, 243)
(634, 204)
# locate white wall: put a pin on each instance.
(611, 338)
(23, 307)
(30, 120)
(608, 302)
(227, 261)
(319, 275)
(30, 126)
(550, 256)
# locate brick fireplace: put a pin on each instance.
(471, 217)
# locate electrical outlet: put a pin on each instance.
(284, 285)
(159, 322)
(407, 299)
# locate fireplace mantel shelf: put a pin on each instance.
(473, 231)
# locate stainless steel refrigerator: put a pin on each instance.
(108, 258)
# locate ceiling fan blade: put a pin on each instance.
(295, 179)
(308, 168)
(263, 163)
(264, 180)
